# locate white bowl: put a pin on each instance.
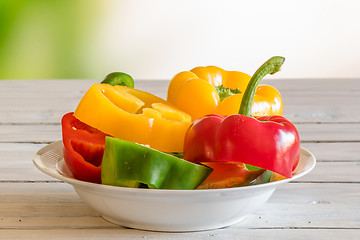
(167, 210)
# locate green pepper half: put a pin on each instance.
(128, 164)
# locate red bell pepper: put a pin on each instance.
(83, 148)
(269, 142)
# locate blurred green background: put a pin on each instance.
(44, 39)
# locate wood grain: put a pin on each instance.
(22, 101)
(295, 205)
(46, 133)
(325, 204)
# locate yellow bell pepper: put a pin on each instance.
(207, 90)
(134, 115)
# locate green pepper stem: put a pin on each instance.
(271, 66)
(226, 92)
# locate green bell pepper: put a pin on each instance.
(129, 164)
(119, 78)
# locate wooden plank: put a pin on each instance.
(16, 164)
(308, 132)
(223, 234)
(47, 101)
(30, 133)
(295, 205)
(298, 107)
(315, 85)
(334, 172)
(329, 132)
(39, 101)
(334, 151)
(291, 85)
(28, 193)
(321, 106)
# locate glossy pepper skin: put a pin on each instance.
(128, 164)
(268, 142)
(195, 92)
(83, 148)
(134, 115)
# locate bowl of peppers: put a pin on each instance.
(148, 163)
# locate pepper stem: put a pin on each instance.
(271, 66)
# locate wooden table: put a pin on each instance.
(325, 204)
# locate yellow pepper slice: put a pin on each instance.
(135, 116)
(194, 92)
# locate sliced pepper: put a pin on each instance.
(83, 148)
(128, 164)
(265, 177)
(134, 115)
(208, 90)
(227, 175)
(269, 142)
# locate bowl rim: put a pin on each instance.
(51, 168)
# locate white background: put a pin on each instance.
(154, 39)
